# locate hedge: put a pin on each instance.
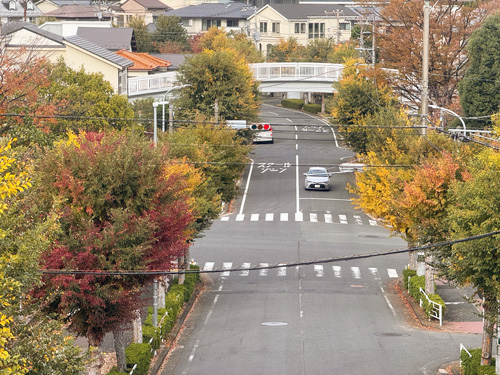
(114, 371)
(312, 108)
(293, 103)
(139, 354)
(407, 273)
(417, 282)
(472, 365)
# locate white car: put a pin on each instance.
(263, 133)
(317, 178)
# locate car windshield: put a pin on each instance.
(318, 172)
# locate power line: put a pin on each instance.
(273, 266)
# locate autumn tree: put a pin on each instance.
(287, 50)
(480, 87)
(119, 210)
(215, 39)
(399, 45)
(170, 32)
(342, 53)
(220, 75)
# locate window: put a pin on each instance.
(12, 5)
(30, 6)
(345, 26)
(233, 23)
(263, 27)
(207, 24)
(276, 27)
(300, 28)
(186, 22)
(316, 30)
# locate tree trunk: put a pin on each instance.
(489, 311)
(95, 362)
(121, 361)
(137, 328)
(412, 260)
(162, 290)
(429, 275)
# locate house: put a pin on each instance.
(113, 39)
(76, 52)
(13, 11)
(144, 64)
(49, 5)
(67, 28)
(304, 22)
(200, 18)
(80, 13)
(149, 10)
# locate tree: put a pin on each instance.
(169, 30)
(399, 45)
(27, 115)
(480, 87)
(143, 37)
(287, 51)
(85, 101)
(474, 210)
(342, 53)
(215, 39)
(318, 50)
(358, 97)
(220, 156)
(119, 211)
(220, 75)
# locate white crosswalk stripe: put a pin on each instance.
(224, 218)
(284, 216)
(343, 219)
(313, 218)
(358, 220)
(328, 218)
(269, 217)
(254, 217)
(299, 216)
(318, 270)
(240, 217)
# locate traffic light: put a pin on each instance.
(260, 127)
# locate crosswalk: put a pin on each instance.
(313, 217)
(318, 270)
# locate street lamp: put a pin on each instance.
(451, 113)
(163, 102)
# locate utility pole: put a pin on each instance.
(425, 69)
(216, 110)
(336, 13)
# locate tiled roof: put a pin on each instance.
(143, 61)
(153, 4)
(98, 51)
(214, 11)
(77, 12)
(12, 27)
(113, 39)
(304, 11)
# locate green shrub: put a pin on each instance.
(434, 298)
(470, 365)
(150, 332)
(486, 370)
(293, 103)
(312, 108)
(407, 273)
(148, 322)
(139, 354)
(416, 282)
(114, 371)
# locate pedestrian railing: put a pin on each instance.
(463, 348)
(436, 310)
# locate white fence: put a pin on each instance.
(436, 309)
(317, 72)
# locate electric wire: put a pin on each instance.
(273, 266)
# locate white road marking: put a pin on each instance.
(343, 219)
(337, 271)
(269, 217)
(373, 222)
(264, 271)
(297, 200)
(282, 271)
(224, 218)
(313, 218)
(240, 217)
(245, 272)
(299, 216)
(374, 272)
(246, 187)
(254, 217)
(318, 268)
(356, 273)
(226, 266)
(328, 218)
(209, 266)
(284, 216)
(392, 273)
(288, 119)
(358, 220)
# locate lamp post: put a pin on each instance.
(425, 68)
(162, 103)
(451, 113)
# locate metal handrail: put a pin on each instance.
(437, 309)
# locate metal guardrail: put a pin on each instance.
(152, 83)
(297, 71)
(437, 309)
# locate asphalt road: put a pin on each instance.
(330, 318)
